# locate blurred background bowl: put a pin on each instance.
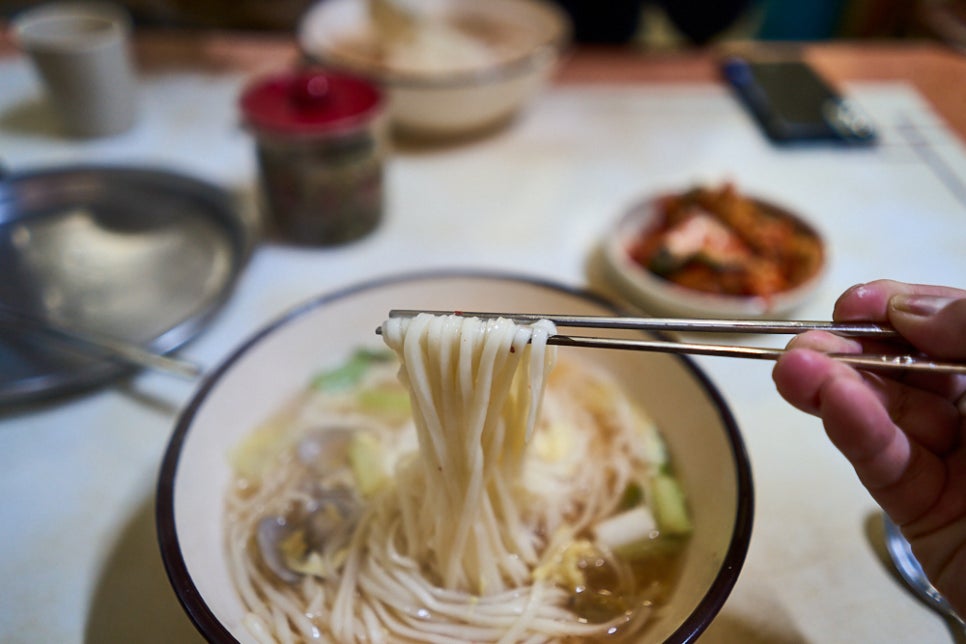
(436, 93)
(659, 296)
(704, 442)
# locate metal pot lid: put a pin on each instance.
(140, 254)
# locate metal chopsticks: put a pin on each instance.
(855, 329)
(908, 362)
(97, 344)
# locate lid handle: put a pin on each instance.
(310, 92)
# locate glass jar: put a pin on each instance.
(320, 139)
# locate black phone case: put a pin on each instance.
(792, 103)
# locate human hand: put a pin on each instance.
(905, 435)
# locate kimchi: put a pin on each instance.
(717, 240)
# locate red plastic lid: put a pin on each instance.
(310, 102)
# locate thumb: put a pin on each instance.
(935, 324)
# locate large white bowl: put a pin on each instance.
(277, 361)
(445, 103)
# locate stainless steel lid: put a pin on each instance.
(140, 254)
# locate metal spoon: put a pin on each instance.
(912, 574)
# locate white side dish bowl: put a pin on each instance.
(659, 296)
(705, 444)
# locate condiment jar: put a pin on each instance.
(320, 139)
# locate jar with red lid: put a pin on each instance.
(320, 140)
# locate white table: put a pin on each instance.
(78, 553)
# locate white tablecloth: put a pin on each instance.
(78, 554)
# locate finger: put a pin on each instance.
(871, 301)
(948, 387)
(883, 301)
(800, 374)
(825, 342)
(929, 418)
(902, 476)
(950, 507)
(935, 324)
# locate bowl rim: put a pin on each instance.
(652, 287)
(548, 49)
(212, 628)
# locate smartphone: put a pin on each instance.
(792, 103)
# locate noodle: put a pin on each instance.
(472, 526)
(470, 517)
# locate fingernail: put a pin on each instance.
(919, 305)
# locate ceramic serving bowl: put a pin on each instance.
(277, 361)
(659, 296)
(437, 94)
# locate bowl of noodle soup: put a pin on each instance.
(286, 513)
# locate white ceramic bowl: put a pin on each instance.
(277, 361)
(445, 102)
(662, 297)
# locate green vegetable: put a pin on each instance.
(386, 401)
(670, 506)
(352, 371)
(653, 442)
(633, 495)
